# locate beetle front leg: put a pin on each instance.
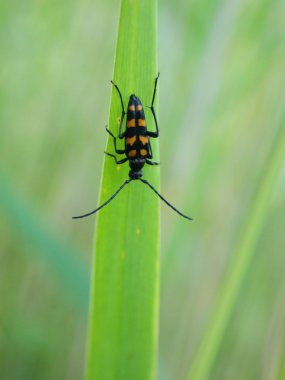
(152, 162)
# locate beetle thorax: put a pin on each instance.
(136, 166)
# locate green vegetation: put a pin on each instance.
(124, 316)
(221, 116)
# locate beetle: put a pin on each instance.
(137, 145)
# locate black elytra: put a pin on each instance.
(137, 145)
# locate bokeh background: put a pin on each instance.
(222, 105)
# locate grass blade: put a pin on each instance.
(201, 367)
(124, 296)
(63, 260)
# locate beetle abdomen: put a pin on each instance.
(136, 139)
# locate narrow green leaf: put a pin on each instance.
(281, 369)
(124, 297)
(63, 260)
(203, 362)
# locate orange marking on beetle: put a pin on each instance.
(131, 123)
(143, 139)
(130, 140)
(132, 153)
(143, 152)
(132, 107)
(139, 107)
(141, 122)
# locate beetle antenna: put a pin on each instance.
(164, 200)
(105, 203)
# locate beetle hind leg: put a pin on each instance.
(156, 133)
(121, 134)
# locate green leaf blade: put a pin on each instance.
(124, 311)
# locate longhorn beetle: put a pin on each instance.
(137, 145)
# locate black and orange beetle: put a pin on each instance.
(137, 145)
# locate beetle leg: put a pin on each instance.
(121, 134)
(156, 133)
(119, 151)
(151, 162)
(118, 162)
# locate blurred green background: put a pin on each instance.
(222, 106)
